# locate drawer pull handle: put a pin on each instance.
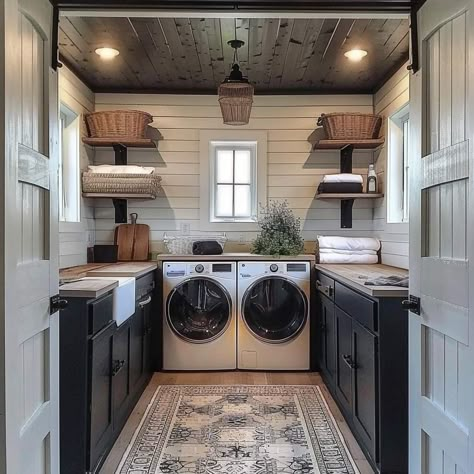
(143, 303)
(349, 362)
(326, 289)
(117, 367)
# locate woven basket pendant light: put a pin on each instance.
(236, 93)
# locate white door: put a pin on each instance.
(441, 242)
(30, 241)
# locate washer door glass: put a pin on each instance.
(199, 310)
(274, 309)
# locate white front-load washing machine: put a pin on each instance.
(274, 317)
(199, 323)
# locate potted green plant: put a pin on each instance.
(280, 232)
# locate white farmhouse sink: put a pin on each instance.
(123, 297)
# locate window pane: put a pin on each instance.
(243, 173)
(225, 166)
(242, 201)
(224, 200)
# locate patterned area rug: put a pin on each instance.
(237, 429)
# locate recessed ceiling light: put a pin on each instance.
(107, 53)
(356, 54)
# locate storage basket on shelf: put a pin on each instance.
(351, 126)
(121, 184)
(118, 123)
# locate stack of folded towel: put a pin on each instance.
(121, 169)
(348, 250)
(341, 183)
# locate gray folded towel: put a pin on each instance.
(389, 281)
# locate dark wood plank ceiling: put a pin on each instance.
(191, 54)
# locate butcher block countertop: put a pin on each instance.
(124, 269)
(87, 288)
(247, 257)
(355, 275)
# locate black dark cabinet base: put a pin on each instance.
(103, 371)
(363, 359)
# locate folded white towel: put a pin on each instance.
(348, 243)
(125, 169)
(349, 252)
(343, 178)
(340, 258)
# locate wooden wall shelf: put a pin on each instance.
(128, 143)
(356, 144)
(143, 197)
(343, 196)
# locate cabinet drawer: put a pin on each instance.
(145, 285)
(359, 307)
(325, 285)
(100, 313)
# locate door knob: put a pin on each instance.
(412, 304)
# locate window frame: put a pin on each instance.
(69, 118)
(398, 166)
(233, 146)
(229, 138)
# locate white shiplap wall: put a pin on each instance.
(75, 237)
(294, 172)
(388, 100)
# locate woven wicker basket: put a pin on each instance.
(118, 123)
(351, 126)
(236, 102)
(108, 183)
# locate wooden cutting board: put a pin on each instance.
(133, 241)
(141, 243)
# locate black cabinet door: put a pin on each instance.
(100, 394)
(364, 408)
(136, 349)
(327, 350)
(121, 374)
(344, 359)
(146, 308)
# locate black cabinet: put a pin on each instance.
(367, 338)
(344, 359)
(327, 354)
(103, 371)
(101, 406)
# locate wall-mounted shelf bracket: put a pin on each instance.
(120, 154)
(346, 159)
(346, 213)
(121, 211)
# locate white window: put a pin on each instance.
(69, 166)
(233, 179)
(398, 167)
(233, 173)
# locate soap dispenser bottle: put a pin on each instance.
(372, 180)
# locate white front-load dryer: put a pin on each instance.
(274, 317)
(199, 323)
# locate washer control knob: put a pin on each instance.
(273, 267)
(199, 268)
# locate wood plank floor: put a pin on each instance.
(230, 378)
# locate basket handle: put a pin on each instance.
(320, 120)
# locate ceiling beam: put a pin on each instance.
(374, 6)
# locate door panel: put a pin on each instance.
(344, 353)
(100, 393)
(328, 338)
(440, 245)
(121, 373)
(31, 239)
(364, 402)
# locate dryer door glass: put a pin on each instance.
(199, 310)
(274, 309)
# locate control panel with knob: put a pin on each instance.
(199, 268)
(273, 267)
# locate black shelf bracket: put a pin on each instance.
(120, 154)
(346, 204)
(121, 211)
(120, 205)
(346, 213)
